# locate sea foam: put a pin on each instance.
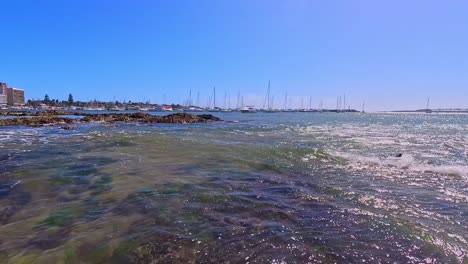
(406, 163)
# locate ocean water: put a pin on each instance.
(257, 188)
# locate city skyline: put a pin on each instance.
(392, 55)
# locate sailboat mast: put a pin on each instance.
(268, 94)
(344, 102)
(190, 98)
(286, 101)
(225, 97)
(214, 97)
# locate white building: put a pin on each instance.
(3, 99)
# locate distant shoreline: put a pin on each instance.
(432, 111)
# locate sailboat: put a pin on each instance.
(215, 108)
(428, 110)
(269, 103)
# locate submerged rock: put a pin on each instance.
(67, 127)
(7, 188)
(13, 199)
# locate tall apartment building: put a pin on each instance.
(3, 99)
(3, 93)
(15, 96)
(10, 95)
(3, 88)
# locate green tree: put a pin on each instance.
(70, 99)
(46, 99)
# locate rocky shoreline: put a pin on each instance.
(49, 118)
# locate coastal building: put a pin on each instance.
(3, 88)
(3, 93)
(10, 95)
(15, 96)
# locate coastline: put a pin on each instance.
(50, 118)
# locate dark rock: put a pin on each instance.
(56, 113)
(14, 113)
(179, 118)
(140, 115)
(51, 118)
(51, 113)
(399, 155)
(36, 121)
(185, 118)
(210, 117)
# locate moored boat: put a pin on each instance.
(248, 109)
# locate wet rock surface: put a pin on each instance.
(67, 127)
(53, 118)
(36, 121)
(55, 112)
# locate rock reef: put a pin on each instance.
(53, 118)
(37, 121)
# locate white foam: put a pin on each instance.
(405, 162)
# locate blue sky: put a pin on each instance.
(392, 54)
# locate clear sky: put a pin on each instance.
(391, 53)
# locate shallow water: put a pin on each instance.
(264, 188)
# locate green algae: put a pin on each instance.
(192, 216)
(24, 259)
(205, 235)
(71, 252)
(213, 198)
(121, 254)
(101, 185)
(60, 218)
(99, 254)
(172, 188)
